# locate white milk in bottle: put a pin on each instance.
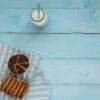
(41, 20)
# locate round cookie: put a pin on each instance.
(18, 64)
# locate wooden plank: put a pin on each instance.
(75, 93)
(57, 45)
(71, 71)
(60, 21)
(78, 4)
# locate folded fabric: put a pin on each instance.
(39, 89)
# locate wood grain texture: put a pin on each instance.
(60, 21)
(78, 4)
(75, 93)
(62, 92)
(70, 62)
(57, 45)
(71, 71)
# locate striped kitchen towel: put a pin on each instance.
(39, 89)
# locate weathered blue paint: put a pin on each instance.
(70, 59)
(60, 21)
(73, 4)
(57, 45)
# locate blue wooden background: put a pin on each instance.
(69, 45)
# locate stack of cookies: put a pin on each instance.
(13, 86)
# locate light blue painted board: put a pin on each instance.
(60, 21)
(78, 4)
(71, 71)
(57, 45)
(75, 93)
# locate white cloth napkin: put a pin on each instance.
(39, 89)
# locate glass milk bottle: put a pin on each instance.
(40, 20)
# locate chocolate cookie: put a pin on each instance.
(18, 63)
